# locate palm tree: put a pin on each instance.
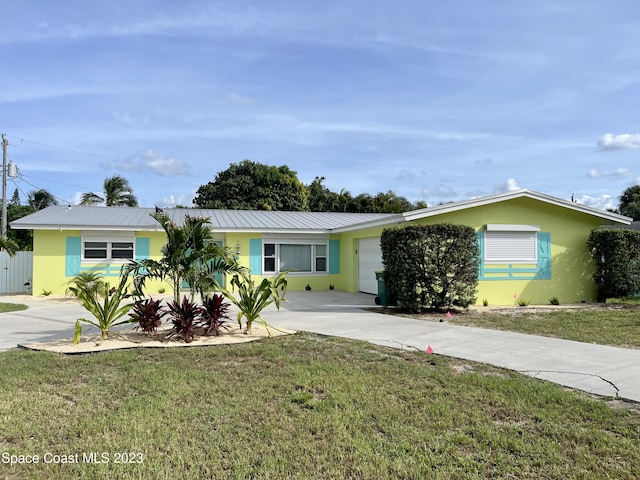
(40, 199)
(190, 254)
(117, 193)
(9, 245)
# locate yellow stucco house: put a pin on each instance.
(532, 245)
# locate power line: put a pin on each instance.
(63, 148)
(21, 178)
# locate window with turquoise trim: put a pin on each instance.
(514, 255)
(295, 257)
(100, 248)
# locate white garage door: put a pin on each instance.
(369, 261)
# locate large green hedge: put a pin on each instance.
(431, 266)
(616, 253)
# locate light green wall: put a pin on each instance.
(49, 253)
(295, 281)
(49, 261)
(349, 257)
(571, 268)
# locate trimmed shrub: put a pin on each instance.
(431, 266)
(616, 253)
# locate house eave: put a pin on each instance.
(384, 222)
(477, 202)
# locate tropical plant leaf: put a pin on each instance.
(77, 333)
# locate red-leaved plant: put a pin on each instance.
(185, 317)
(148, 314)
(214, 314)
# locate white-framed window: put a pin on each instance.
(511, 243)
(101, 248)
(295, 255)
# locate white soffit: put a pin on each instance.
(509, 227)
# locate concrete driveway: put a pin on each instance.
(597, 369)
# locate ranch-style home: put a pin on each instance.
(533, 245)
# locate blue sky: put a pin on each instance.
(437, 101)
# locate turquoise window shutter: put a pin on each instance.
(480, 237)
(73, 255)
(255, 256)
(544, 256)
(142, 248)
(334, 256)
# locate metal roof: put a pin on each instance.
(70, 217)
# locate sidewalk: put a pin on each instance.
(597, 369)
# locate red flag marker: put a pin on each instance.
(429, 349)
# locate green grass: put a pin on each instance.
(618, 326)
(11, 307)
(303, 406)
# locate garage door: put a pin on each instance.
(369, 261)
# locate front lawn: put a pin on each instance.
(606, 325)
(11, 307)
(301, 406)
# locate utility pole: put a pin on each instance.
(3, 228)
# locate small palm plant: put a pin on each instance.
(105, 303)
(253, 299)
(89, 281)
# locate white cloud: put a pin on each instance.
(441, 191)
(483, 161)
(183, 200)
(240, 99)
(150, 161)
(603, 202)
(208, 20)
(405, 174)
(623, 141)
(510, 185)
(614, 174)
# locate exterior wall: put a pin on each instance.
(571, 267)
(50, 261)
(349, 251)
(245, 242)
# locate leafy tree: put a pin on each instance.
(24, 238)
(117, 193)
(15, 198)
(630, 202)
(189, 255)
(253, 186)
(321, 199)
(39, 199)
